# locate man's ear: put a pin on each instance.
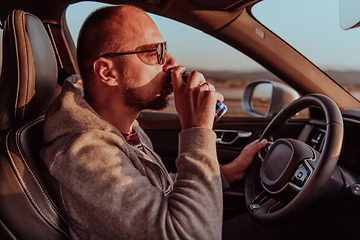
(103, 67)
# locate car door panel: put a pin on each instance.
(163, 130)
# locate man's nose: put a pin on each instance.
(170, 62)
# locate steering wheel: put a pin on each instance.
(289, 174)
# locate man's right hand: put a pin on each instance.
(195, 102)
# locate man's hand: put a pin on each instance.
(195, 102)
(236, 170)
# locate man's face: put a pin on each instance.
(144, 85)
(147, 96)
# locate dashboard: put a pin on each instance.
(314, 135)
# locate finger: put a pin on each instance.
(263, 142)
(176, 79)
(201, 82)
(256, 146)
(207, 87)
(195, 79)
(215, 96)
(257, 141)
(219, 96)
(260, 144)
(212, 87)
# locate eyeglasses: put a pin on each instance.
(148, 54)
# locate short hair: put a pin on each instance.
(97, 36)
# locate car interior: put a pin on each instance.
(321, 184)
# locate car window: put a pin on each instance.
(313, 28)
(228, 69)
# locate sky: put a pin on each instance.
(311, 26)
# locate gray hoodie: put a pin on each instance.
(112, 190)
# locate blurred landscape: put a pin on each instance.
(232, 84)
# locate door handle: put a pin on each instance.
(227, 137)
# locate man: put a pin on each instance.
(111, 183)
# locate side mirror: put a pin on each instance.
(265, 98)
(349, 16)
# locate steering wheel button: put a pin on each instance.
(355, 189)
(300, 176)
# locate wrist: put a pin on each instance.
(203, 123)
(231, 174)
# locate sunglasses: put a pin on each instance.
(148, 54)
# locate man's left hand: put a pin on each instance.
(236, 170)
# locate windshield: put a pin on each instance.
(312, 27)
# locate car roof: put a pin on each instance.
(193, 12)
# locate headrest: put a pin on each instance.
(29, 71)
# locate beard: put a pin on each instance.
(134, 99)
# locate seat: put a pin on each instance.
(27, 85)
